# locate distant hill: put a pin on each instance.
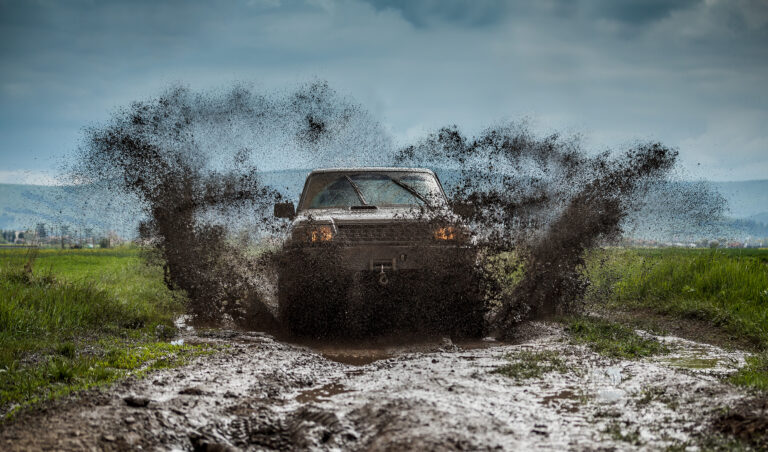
(747, 199)
(760, 217)
(23, 206)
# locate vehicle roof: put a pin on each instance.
(371, 169)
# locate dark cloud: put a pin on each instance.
(460, 12)
(636, 12)
(478, 13)
(688, 73)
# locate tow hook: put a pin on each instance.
(383, 280)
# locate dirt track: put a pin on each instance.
(264, 394)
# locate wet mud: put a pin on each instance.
(264, 394)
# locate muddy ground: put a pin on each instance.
(261, 393)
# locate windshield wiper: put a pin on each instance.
(411, 190)
(357, 190)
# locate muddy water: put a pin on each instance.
(261, 393)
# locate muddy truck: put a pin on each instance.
(373, 251)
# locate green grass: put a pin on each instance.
(73, 319)
(25, 385)
(527, 364)
(727, 289)
(754, 374)
(611, 339)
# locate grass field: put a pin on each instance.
(72, 319)
(726, 289)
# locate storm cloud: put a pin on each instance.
(689, 73)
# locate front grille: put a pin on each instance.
(384, 233)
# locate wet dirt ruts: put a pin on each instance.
(263, 394)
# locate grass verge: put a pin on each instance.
(726, 291)
(754, 374)
(23, 386)
(74, 319)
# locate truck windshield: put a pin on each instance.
(379, 188)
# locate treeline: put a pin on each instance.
(10, 236)
(750, 227)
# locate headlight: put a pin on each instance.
(321, 234)
(446, 233)
(314, 234)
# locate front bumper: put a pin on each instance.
(387, 258)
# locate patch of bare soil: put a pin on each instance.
(748, 421)
(263, 394)
(689, 328)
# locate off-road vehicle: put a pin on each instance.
(373, 250)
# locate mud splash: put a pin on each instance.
(189, 158)
(547, 200)
(192, 160)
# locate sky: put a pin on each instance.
(692, 74)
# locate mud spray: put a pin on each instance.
(534, 203)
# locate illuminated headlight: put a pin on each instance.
(314, 234)
(446, 233)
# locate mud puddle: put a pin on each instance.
(264, 394)
(370, 351)
(324, 392)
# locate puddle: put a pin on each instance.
(610, 395)
(322, 393)
(614, 375)
(566, 394)
(356, 359)
(367, 352)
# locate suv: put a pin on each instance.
(371, 250)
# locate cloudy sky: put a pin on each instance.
(691, 73)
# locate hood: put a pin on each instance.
(381, 214)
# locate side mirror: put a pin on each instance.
(463, 209)
(285, 210)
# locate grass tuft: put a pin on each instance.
(754, 374)
(611, 339)
(66, 349)
(627, 435)
(525, 365)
